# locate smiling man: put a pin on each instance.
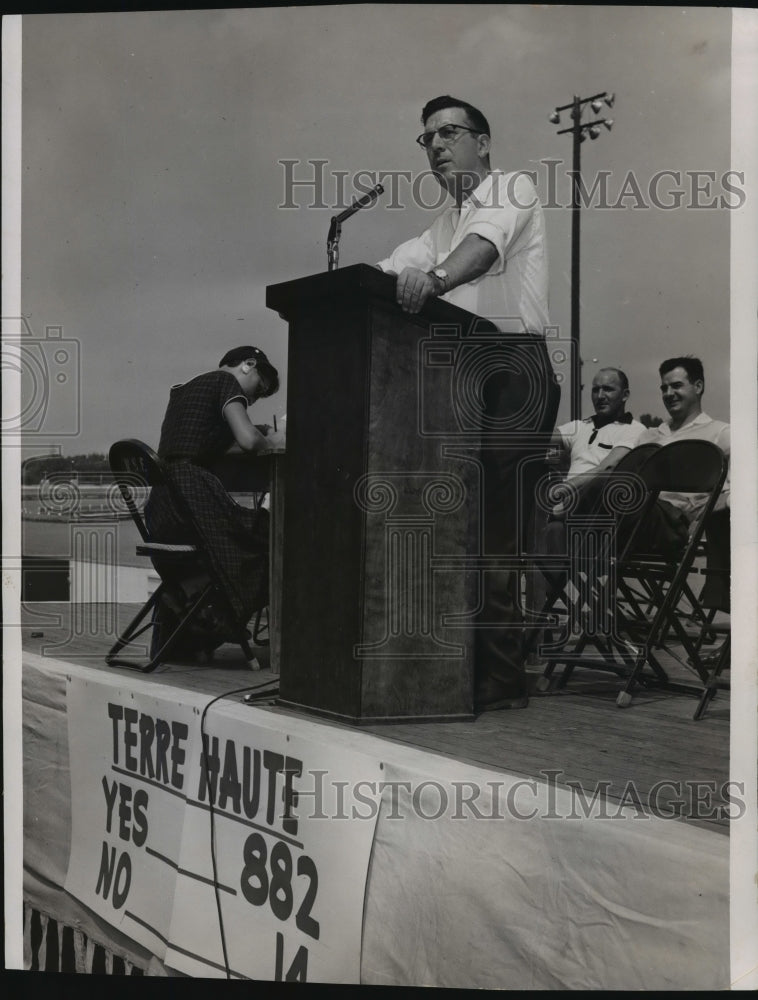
(682, 388)
(486, 254)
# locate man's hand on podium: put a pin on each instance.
(414, 289)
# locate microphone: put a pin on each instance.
(335, 229)
(359, 203)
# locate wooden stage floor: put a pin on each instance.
(652, 755)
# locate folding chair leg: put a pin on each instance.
(259, 627)
(252, 659)
(130, 633)
(712, 684)
(705, 700)
(705, 634)
(624, 697)
(164, 647)
(545, 680)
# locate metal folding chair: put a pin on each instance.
(695, 467)
(137, 468)
(580, 585)
(715, 597)
(637, 603)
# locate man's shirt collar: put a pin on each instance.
(596, 427)
(625, 419)
(701, 418)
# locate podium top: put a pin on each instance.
(359, 281)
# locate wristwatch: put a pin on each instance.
(441, 274)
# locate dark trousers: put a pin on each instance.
(520, 407)
(664, 532)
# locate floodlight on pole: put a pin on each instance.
(579, 131)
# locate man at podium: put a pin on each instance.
(486, 253)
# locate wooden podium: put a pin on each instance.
(381, 504)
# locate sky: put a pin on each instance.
(157, 146)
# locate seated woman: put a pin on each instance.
(205, 418)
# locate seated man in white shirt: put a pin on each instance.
(595, 445)
(487, 254)
(592, 446)
(682, 387)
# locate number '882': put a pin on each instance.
(268, 879)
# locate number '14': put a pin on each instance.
(298, 970)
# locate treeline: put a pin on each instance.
(40, 467)
(648, 420)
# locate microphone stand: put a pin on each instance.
(335, 229)
(333, 243)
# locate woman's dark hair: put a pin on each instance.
(269, 375)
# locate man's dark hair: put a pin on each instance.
(621, 376)
(477, 119)
(267, 372)
(693, 367)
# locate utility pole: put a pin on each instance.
(579, 131)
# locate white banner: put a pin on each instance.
(248, 861)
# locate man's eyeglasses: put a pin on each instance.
(448, 134)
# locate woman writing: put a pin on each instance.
(207, 417)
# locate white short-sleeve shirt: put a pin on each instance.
(504, 209)
(590, 446)
(700, 428)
